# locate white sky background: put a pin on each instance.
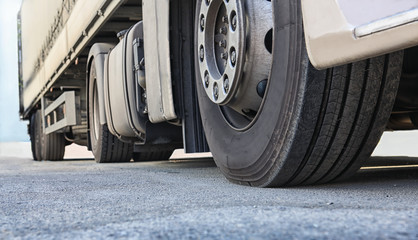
(11, 128)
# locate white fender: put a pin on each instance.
(343, 31)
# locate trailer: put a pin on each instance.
(281, 92)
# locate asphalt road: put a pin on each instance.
(190, 199)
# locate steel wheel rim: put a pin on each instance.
(234, 86)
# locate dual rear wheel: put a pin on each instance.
(106, 147)
(45, 146)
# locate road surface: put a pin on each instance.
(190, 199)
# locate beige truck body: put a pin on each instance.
(53, 33)
(343, 31)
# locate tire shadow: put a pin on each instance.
(71, 160)
(190, 163)
(389, 171)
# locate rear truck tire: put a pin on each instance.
(35, 136)
(307, 126)
(45, 146)
(106, 147)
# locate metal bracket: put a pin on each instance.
(159, 89)
(61, 113)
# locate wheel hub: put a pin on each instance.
(233, 55)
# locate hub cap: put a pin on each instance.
(234, 43)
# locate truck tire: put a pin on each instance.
(152, 156)
(45, 146)
(106, 147)
(308, 126)
(35, 136)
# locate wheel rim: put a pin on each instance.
(234, 56)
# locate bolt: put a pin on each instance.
(206, 79)
(234, 22)
(233, 57)
(142, 64)
(222, 43)
(223, 30)
(224, 56)
(226, 84)
(202, 23)
(225, 19)
(215, 91)
(202, 53)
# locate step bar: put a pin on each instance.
(60, 113)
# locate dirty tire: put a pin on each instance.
(106, 147)
(313, 126)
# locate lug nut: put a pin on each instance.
(215, 91)
(222, 43)
(206, 79)
(226, 84)
(202, 53)
(225, 19)
(223, 30)
(234, 22)
(142, 64)
(202, 22)
(233, 57)
(224, 56)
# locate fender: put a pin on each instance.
(342, 31)
(99, 52)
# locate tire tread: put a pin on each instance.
(111, 149)
(359, 100)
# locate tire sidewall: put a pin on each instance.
(95, 142)
(249, 156)
(36, 138)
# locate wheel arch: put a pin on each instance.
(98, 51)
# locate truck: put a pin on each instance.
(282, 93)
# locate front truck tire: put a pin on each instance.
(106, 147)
(45, 146)
(312, 126)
